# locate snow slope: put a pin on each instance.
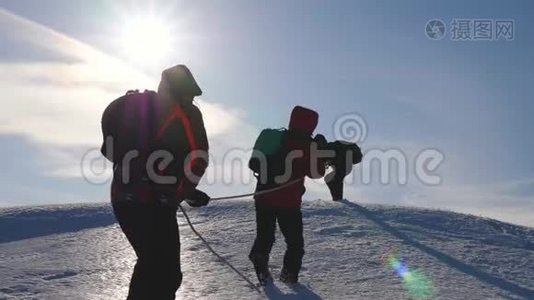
(352, 252)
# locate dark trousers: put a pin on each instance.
(153, 233)
(290, 222)
(334, 180)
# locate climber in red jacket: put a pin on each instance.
(286, 168)
(158, 146)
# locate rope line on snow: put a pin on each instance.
(206, 243)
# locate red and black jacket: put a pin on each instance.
(298, 137)
(145, 122)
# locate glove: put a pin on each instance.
(197, 199)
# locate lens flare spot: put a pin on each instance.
(418, 285)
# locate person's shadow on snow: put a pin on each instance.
(300, 292)
(481, 275)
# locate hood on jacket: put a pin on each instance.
(178, 82)
(303, 120)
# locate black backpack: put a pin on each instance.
(130, 123)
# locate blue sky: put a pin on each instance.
(62, 62)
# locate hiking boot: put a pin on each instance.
(264, 278)
(261, 268)
(288, 277)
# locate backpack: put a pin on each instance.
(268, 149)
(130, 123)
(269, 141)
(343, 151)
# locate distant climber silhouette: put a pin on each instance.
(345, 156)
(158, 146)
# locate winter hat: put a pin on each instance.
(180, 81)
(303, 120)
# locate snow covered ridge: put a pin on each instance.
(32, 221)
(352, 252)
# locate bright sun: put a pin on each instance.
(146, 40)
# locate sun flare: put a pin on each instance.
(146, 40)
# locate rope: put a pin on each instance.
(217, 254)
(256, 193)
(206, 243)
